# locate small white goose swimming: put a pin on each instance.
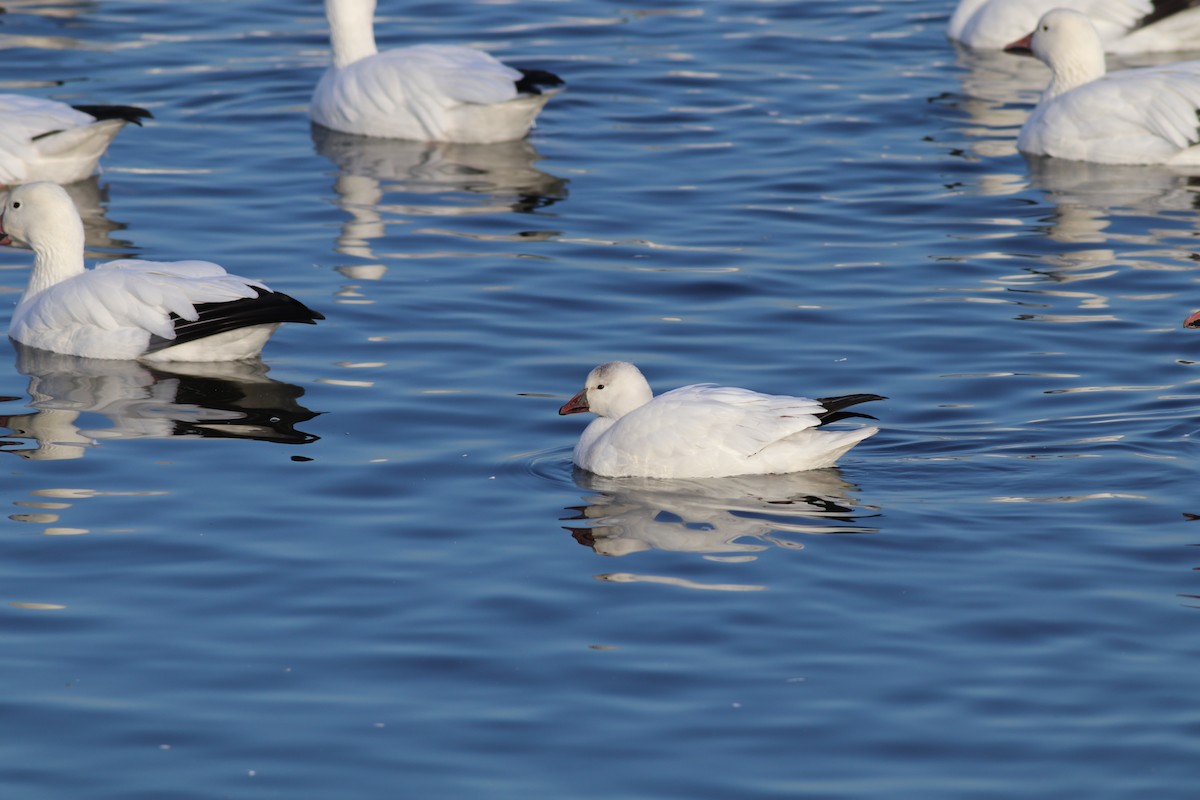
(438, 93)
(45, 140)
(1125, 26)
(1134, 116)
(704, 430)
(131, 309)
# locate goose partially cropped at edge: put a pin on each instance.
(45, 140)
(1132, 116)
(131, 309)
(704, 430)
(1125, 27)
(429, 92)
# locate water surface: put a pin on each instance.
(366, 568)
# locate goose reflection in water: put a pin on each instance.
(738, 515)
(1087, 196)
(230, 400)
(429, 179)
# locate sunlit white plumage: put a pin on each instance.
(152, 310)
(703, 430)
(1125, 26)
(45, 140)
(442, 93)
(1134, 116)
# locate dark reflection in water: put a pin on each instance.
(743, 514)
(228, 400)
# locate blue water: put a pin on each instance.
(365, 568)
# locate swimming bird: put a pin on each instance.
(45, 140)
(704, 430)
(428, 92)
(131, 309)
(1134, 116)
(1125, 26)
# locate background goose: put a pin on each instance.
(1125, 26)
(442, 93)
(704, 430)
(152, 310)
(45, 140)
(1134, 116)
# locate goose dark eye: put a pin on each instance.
(17, 204)
(601, 386)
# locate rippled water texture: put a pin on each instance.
(365, 568)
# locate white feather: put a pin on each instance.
(699, 431)
(45, 140)
(992, 24)
(428, 92)
(113, 310)
(1134, 116)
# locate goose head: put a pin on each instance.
(611, 390)
(1066, 41)
(42, 215)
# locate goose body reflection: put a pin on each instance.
(70, 395)
(497, 177)
(45, 140)
(1125, 26)
(743, 514)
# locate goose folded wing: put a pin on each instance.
(458, 74)
(738, 420)
(137, 294)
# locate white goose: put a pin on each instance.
(149, 310)
(704, 430)
(1134, 116)
(45, 140)
(1125, 26)
(440, 93)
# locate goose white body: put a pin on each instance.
(45, 140)
(131, 309)
(699, 431)
(1125, 26)
(1134, 116)
(441, 93)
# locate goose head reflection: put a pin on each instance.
(79, 402)
(738, 515)
(425, 179)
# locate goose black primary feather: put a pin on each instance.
(268, 308)
(536, 81)
(128, 113)
(834, 405)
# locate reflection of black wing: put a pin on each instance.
(267, 411)
(268, 308)
(70, 395)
